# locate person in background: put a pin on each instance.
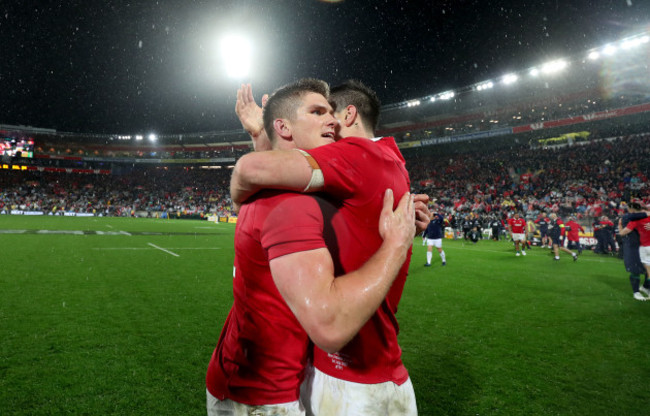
(573, 230)
(433, 235)
(517, 229)
(608, 235)
(474, 235)
(557, 232)
(542, 222)
(631, 245)
(495, 226)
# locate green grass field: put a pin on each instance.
(120, 316)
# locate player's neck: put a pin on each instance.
(357, 131)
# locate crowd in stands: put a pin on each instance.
(169, 192)
(587, 179)
(113, 151)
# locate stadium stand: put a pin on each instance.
(571, 144)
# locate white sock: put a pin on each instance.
(429, 256)
(442, 256)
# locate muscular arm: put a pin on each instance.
(333, 309)
(277, 169)
(632, 217)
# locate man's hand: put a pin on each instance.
(422, 213)
(250, 116)
(397, 226)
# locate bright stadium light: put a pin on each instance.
(153, 137)
(237, 53)
(447, 95)
(609, 50)
(138, 137)
(484, 86)
(629, 44)
(534, 72)
(509, 79)
(593, 55)
(554, 66)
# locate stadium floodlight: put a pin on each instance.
(509, 79)
(593, 55)
(413, 103)
(237, 55)
(554, 66)
(447, 95)
(534, 72)
(609, 50)
(484, 86)
(634, 42)
(153, 137)
(628, 44)
(138, 137)
(432, 99)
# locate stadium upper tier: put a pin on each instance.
(608, 91)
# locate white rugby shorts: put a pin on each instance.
(434, 242)
(644, 253)
(332, 396)
(518, 236)
(227, 407)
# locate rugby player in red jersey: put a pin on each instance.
(284, 275)
(517, 228)
(367, 373)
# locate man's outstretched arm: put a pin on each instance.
(275, 169)
(332, 309)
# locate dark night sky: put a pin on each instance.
(151, 66)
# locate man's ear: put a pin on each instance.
(350, 116)
(283, 128)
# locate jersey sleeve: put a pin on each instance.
(343, 169)
(632, 225)
(294, 225)
(635, 216)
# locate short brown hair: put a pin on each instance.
(284, 101)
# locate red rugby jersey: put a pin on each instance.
(263, 349)
(357, 172)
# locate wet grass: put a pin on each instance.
(125, 321)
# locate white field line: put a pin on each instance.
(125, 233)
(162, 249)
(147, 248)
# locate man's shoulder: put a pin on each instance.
(293, 210)
(269, 200)
(376, 143)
